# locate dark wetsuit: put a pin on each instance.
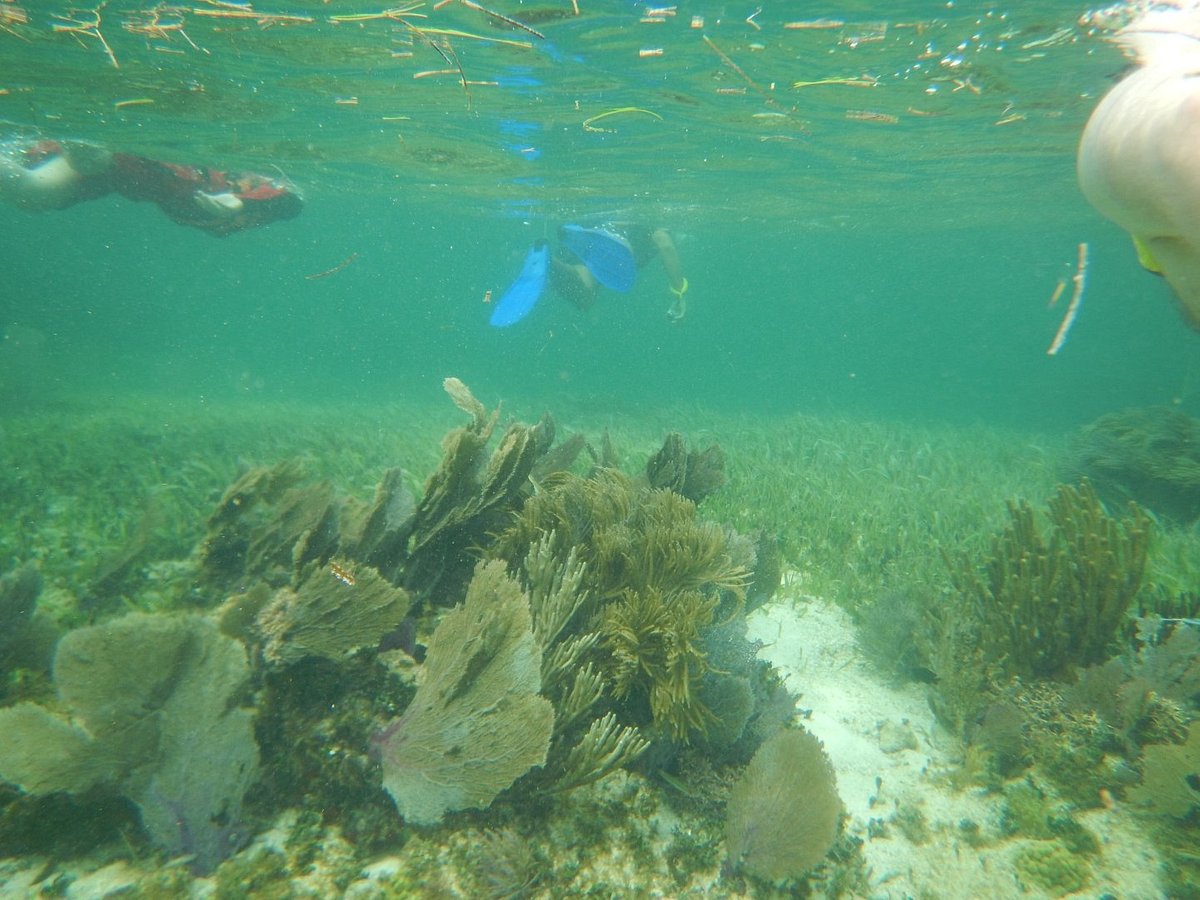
(641, 240)
(173, 189)
(567, 281)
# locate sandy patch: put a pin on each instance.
(857, 714)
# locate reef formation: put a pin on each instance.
(531, 621)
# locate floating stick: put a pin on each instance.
(345, 262)
(76, 25)
(1062, 36)
(13, 15)
(396, 13)
(447, 53)
(158, 24)
(813, 25)
(1079, 279)
(342, 574)
(870, 115)
(1058, 292)
(454, 32)
(266, 20)
(471, 4)
(861, 81)
(724, 57)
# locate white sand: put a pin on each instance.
(811, 642)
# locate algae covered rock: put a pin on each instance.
(150, 710)
(477, 722)
(1052, 867)
(784, 811)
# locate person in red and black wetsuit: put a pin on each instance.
(48, 174)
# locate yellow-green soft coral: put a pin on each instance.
(654, 642)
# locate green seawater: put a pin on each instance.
(870, 265)
(896, 270)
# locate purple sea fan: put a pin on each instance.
(784, 811)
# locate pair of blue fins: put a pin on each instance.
(606, 254)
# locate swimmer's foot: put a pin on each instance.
(677, 310)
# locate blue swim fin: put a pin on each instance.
(524, 293)
(607, 256)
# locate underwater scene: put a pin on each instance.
(593, 448)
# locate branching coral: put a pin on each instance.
(654, 644)
(630, 538)
(605, 747)
(576, 687)
(574, 509)
(658, 576)
(1050, 600)
(662, 547)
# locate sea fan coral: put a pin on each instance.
(784, 812)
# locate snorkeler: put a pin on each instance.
(45, 174)
(587, 258)
(1138, 161)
